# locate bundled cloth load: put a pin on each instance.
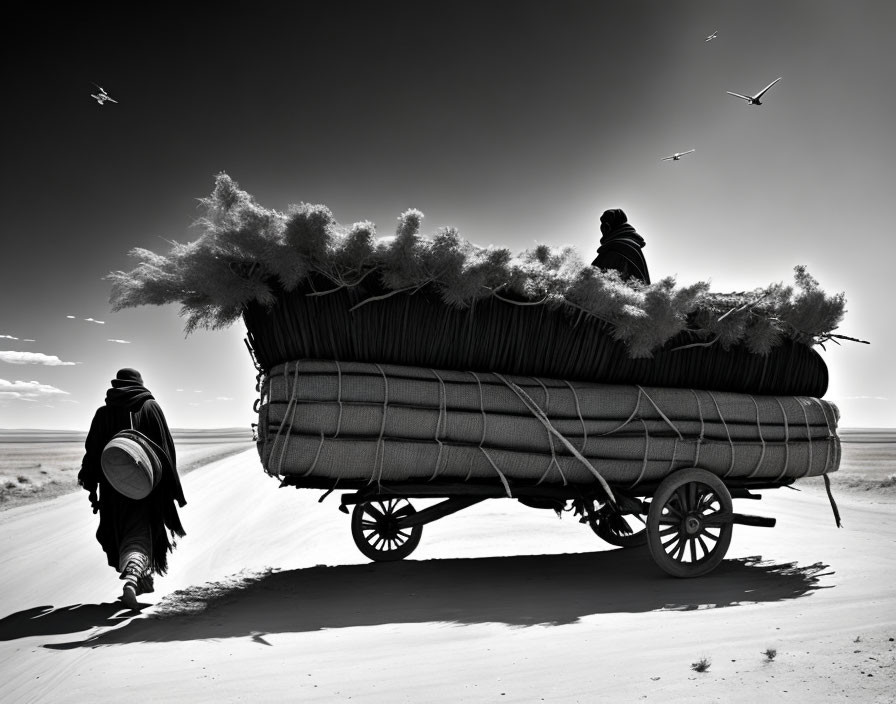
(361, 422)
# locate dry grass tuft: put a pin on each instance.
(702, 665)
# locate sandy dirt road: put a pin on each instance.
(269, 600)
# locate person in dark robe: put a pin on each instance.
(134, 534)
(620, 247)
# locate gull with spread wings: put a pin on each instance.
(677, 155)
(102, 96)
(755, 99)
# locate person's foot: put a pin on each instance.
(129, 596)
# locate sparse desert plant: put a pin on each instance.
(889, 481)
(702, 665)
(770, 654)
(858, 639)
(22, 479)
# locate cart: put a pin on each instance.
(686, 520)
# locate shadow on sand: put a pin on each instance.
(517, 591)
(47, 620)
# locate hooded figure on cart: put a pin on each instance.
(620, 247)
(134, 533)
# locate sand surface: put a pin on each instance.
(268, 599)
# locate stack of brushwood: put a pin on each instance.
(363, 323)
(361, 423)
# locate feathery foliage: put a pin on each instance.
(246, 253)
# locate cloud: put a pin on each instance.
(91, 320)
(50, 360)
(8, 337)
(70, 317)
(28, 340)
(28, 390)
(120, 342)
(223, 398)
(865, 398)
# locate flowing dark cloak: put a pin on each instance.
(620, 247)
(116, 510)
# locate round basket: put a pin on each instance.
(131, 464)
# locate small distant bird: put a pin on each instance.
(712, 36)
(102, 96)
(677, 155)
(754, 100)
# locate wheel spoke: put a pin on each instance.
(403, 511)
(373, 511)
(679, 552)
(669, 520)
(667, 531)
(693, 544)
(671, 547)
(706, 550)
(707, 534)
(369, 525)
(682, 499)
(674, 539)
(671, 510)
(692, 495)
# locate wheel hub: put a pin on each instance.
(387, 528)
(693, 525)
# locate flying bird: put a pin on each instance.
(102, 96)
(754, 100)
(711, 36)
(677, 155)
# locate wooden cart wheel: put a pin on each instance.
(689, 523)
(622, 530)
(376, 533)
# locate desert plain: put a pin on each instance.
(268, 599)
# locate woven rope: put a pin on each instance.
(806, 417)
(544, 419)
(575, 397)
(702, 428)
(292, 405)
(380, 446)
(727, 432)
(338, 398)
(761, 439)
(827, 461)
(786, 440)
(646, 451)
(443, 411)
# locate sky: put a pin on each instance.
(515, 121)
